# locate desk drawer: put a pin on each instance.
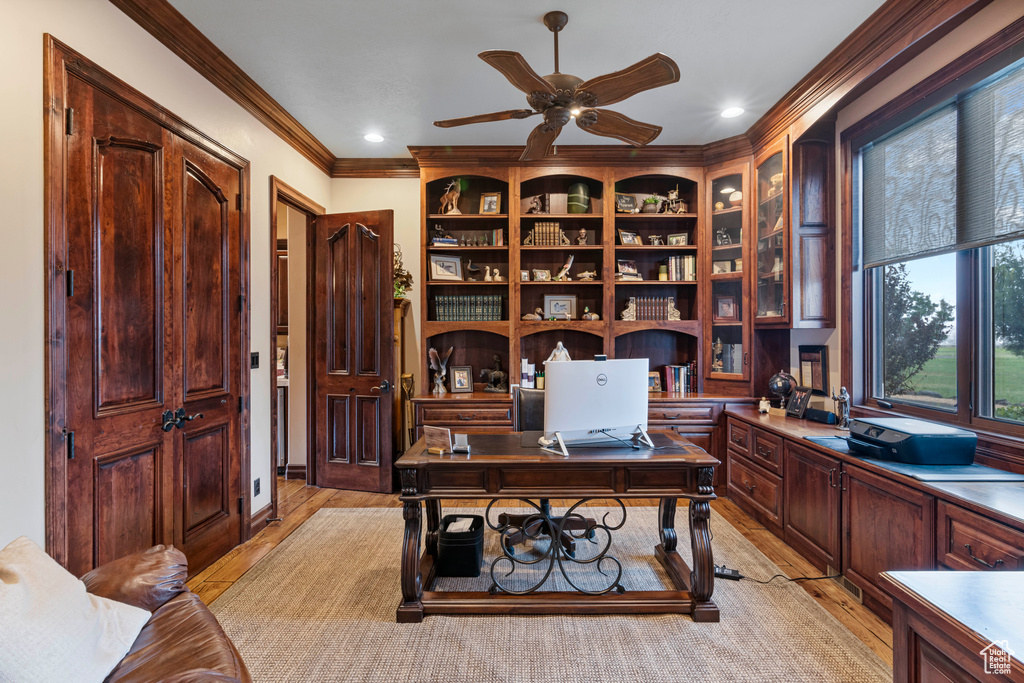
(993, 546)
(738, 436)
(672, 413)
(466, 413)
(751, 487)
(767, 450)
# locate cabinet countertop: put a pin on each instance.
(1002, 501)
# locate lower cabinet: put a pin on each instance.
(969, 541)
(887, 527)
(811, 500)
(756, 491)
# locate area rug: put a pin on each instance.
(321, 607)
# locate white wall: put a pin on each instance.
(296, 336)
(105, 35)
(402, 195)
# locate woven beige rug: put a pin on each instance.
(321, 607)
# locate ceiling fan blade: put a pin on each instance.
(612, 124)
(514, 67)
(539, 143)
(482, 118)
(653, 72)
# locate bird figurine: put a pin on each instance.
(538, 314)
(587, 315)
(563, 273)
(497, 275)
(439, 366)
(472, 270)
(488, 277)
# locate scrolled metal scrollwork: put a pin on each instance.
(542, 524)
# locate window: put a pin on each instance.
(940, 211)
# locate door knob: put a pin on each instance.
(169, 421)
(384, 387)
(181, 418)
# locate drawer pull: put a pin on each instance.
(831, 477)
(765, 452)
(672, 417)
(739, 439)
(979, 560)
(750, 487)
(465, 418)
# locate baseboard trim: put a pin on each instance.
(295, 471)
(260, 519)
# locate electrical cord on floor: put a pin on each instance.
(723, 572)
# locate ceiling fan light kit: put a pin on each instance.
(561, 98)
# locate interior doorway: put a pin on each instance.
(291, 221)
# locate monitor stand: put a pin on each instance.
(546, 444)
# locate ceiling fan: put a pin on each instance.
(562, 97)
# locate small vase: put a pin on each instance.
(650, 208)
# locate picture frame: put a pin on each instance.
(541, 275)
(461, 379)
(490, 202)
(726, 309)
(680, 239)
(560, 306)
(631, 239)
(798, 400)
(627, 266)
(721, 267)
(653, 382)
(625, 203)
(445, 267)
(814, 368)
(524, 276)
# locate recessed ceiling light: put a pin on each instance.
(732, 112)
(373, 137)
(727, 190)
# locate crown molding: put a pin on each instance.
(898, 31)
(171, 28)
(574, 155)
(375, 168)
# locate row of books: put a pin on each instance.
(654, 308)
(682, 268)
(547, 234)
(496, 238)
(681, 378)
(468, 307)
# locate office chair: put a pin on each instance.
(528, 416)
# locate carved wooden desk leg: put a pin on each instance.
(411, 609)
(667, 523)
(433, 526)
(702, 578)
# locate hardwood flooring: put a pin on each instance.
(297, 503)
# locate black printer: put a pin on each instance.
(917, 442)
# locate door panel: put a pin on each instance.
(206, 485)
(126, 505)
(353, 329)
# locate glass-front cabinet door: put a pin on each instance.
(771, 248)
(727, 323)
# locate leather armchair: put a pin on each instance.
(182, 642)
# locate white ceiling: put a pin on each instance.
(345, 68)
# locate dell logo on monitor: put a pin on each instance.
(602, 379)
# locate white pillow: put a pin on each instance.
(51, 628)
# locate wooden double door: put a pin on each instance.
(153, 336)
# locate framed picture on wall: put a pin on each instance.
(814, 368)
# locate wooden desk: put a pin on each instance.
(500, 468)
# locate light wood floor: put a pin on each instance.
(297, 503)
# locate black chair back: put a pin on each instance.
(530, 410)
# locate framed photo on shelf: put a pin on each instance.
(679, 239)
(444, 267)
(560, 306)
(814, 369)
(725, 309)
(524, 276)
(625, 203)
(721, 267)
(653, 382)
(462, 379)
(627, 266)
(490, 202)
(630, 238)
(798, 401)
(541, 275)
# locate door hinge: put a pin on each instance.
(69, 437)
(69, 121)
(69, 277)
(241, 403)
(241, 504)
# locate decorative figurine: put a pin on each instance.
(586, 275)
(842, 408)
(563, 274)
(716, 355)
(673, 204)
(528, 242)
(722, 237)
(581, 236)
(440, 232)
(764, 405)
(472, 271)
(538, 314)
(673, 312)
(497, 379)
(450, 199)
(657, 241)
(587, 315)
(497, 276)
(562, 239)
(487, 276)
(558, 353)
(630, 312)
(439, 366)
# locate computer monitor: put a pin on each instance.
(587, 401)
